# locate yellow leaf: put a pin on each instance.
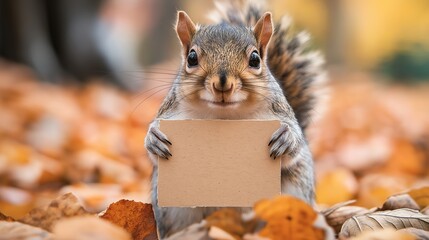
(421, 196)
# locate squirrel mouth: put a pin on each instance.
(223, 103)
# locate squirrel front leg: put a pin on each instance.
(289, 144)
(298, 175)
(287, 140)
(156, 142)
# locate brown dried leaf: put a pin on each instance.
(15, 210)
(288, 218)
(95, 197)
(396, 219)
(425, 210)
(399, 201)
(65, 206)
(229, 220)
(421, 196)
(6, 218)
(89, 228)
(384, 234)
(136, 217)
(337, 218)
(20, 231)
(333, 208)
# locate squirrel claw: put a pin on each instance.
(157, 143)
(158, 134)
(284, 141)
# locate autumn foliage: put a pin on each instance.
(83, 146)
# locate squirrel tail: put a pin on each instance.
(298, 71)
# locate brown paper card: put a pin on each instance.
(222, 163)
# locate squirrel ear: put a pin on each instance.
(263, 31)
(185, 28)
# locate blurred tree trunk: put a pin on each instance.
(158, 44)
(25, 37)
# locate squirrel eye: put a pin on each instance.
(254, 60)
(192, 59)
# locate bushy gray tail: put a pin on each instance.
(298, 71)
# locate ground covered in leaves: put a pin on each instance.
(68, 153)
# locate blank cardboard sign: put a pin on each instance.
(223, 163)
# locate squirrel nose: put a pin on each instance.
(222, 88)
(222, 85)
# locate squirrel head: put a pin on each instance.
(224, 65)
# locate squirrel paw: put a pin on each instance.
(157, 143)
(284, 141)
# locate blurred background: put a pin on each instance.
(83, 39)
(80, 81)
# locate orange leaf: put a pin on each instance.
(338, 185)
(288, 218)
(136, 217)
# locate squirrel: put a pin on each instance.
(241, 68)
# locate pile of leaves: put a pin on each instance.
(370, 144)
(65, 218)
(401, 217)
(58, 139)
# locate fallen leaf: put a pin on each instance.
(406, 158)
(336, 186)
(425, 210)
(331, 209)
(6, 218)
(384, 234)
(376, 188)
(399, 201)
(362, 154)
(48, 135)
(396, 219)
(20, 231)
(37, 169)
(14, 210)
(421, 196)
(336, 218)
(107, 102)
(88, 165)
(15, 153)
(288, 218)
(15, 202)
(64, 206)
(96, 196)
(136, 217)
(229, 220)
(88, 228)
